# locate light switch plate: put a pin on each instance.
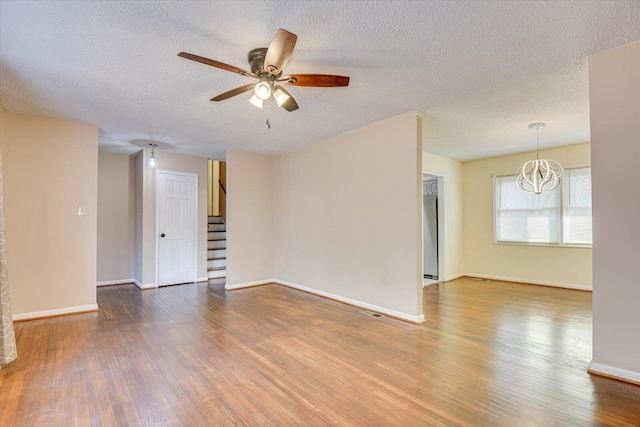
(81, 211)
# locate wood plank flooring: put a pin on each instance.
(489, 354)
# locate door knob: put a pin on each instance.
(162, 235)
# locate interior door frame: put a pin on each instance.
(195, 224)
(441, 227)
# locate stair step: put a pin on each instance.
(215, 274)
(215, 227)
(216, 235)
(217, 245)
(216, 253)
(215, 220)
(217, 263)
(216, 268)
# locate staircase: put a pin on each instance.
(216, 248)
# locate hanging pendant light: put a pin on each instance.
(152, 159)
(539, 175)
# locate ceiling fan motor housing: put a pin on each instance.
(256, 60)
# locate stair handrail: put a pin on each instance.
(222, 186)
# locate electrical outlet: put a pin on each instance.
(81, 211)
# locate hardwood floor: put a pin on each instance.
(489, 354)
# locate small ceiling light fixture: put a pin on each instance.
(152, 159)
(539, 175)
(281, 95)
(261, 92)
(256, 101)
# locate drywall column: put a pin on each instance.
(50, 169)
(249, 218)
(348, 217)
(138, 165)
(614, 86)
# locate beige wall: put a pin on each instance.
(50, 168)
(544, 264)
(614, 86)
(249, 217)
(138, 172)
(146, 210)
(451, 173)
(116, 217)
(348, 216)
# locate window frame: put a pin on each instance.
(561, 217)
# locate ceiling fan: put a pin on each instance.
(266, 66)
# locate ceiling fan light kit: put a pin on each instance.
(263, 90)
(281, 96)
(256, 101)
(539, 175)
(267, 65)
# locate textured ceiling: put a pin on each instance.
(479, 71)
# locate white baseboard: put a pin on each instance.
(453, 277)
(229, 287)
(115, 282)
(55, 312)
(355, 303)
(613, 372)
(430, 284)
(144, 285)
(529, 282)
(202, 279)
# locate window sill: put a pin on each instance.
(546, 245)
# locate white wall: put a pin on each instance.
(116, 217)
(614, 86)
(451, 172)
(50, 167)
(348, 216)
(563, 266)
(249, 218)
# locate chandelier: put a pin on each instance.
(539, 175)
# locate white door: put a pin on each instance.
(176, 218)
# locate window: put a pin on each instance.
(577, 207)
(562, 217)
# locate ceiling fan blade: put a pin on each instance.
(233, 92)
(216, 64)
(284, 99)
(315, 80)
(279, 51)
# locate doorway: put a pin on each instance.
(176, 227)
(433, 229)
